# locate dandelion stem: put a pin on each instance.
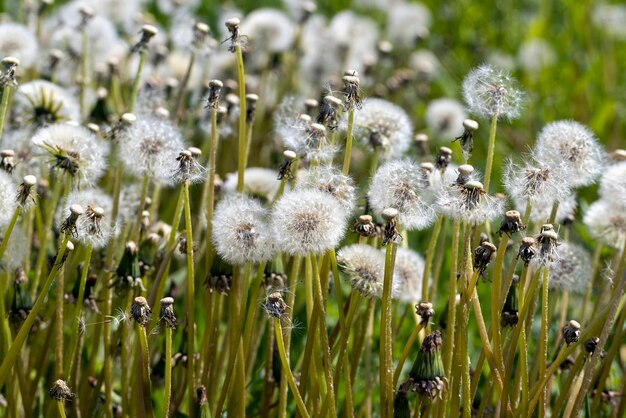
(285, 363)
(490, 151)
(168, 371)
(291, 298)
(83, 69)
(348, 151)
(145, 363)
(58, 323)
(242, 119)
(255, 289)
(135, 88)
(183, 88)
(543, 340)
(210, 190)
(61, 409)
(495, 304)
(191, 307)
(4, 105)
(430, 255)
(18, 342)
(385, 354)
(407, 350)
(8, 231)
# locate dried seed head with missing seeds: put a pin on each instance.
(391, 234)
(284, 170)
(60, 392)
(140, 311)
(95, 226)
(546, 244)
(188, 168)
(425, 310)
(466, 139)
(511, 223)
(571, 332)
(275, 306)
(9, 66)
(483, 255)
(147, 33)
(364, 226)
(469, 203)
(167, 312)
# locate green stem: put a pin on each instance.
(168, 371)
(58, 324)
(8, 231)
(253, 306)
(183, 87)
(145, 363)
(18, 342)
(135, 90)
(291, 298)
(543, 340)
(406, 351)
(348, 152)
(4, 105)
(285, 363)
(490, 151)
(242, 119)
(385, 354)
(210, 190)
(191, 307)
(61, 409)
(83, 70)
(430, 255)
(495, 302)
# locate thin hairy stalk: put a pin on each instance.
(386, 351)
(8, 231)
(543, 383)
(58, 323)
(406, 351)
(343, 344)
(543, 340)
(430, 255)
(168, 371)
(291, 298)
(285, 366)
(495, 298)
(594, 272)
(137, 82)
(568, 385)
(20, 338)
(268, 385)
(553, 212)
(253, 306)
(348, 151)
(190, 303)
(468, 287)
(125, 355)
(490, 151)
(4, 105)
(606, 328)
(83, 68)
(242, 119)
(209, 190)
(183, 88)
(145, 370)
(73, 368)
(61, 409)
(136, 231)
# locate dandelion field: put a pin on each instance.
(291, 208)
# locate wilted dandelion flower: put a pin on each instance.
(607, 222)
(259, 182)
(444, 118)
(572, 149)
(533, 182)
(149, 147)
(42, 103)
(330, 180)
(469, 203)
(383, 126)
(308, 221)
(94, 225)
(269, 29)
(18, 41)
(400, 185)
(613, 183)
(8, 195)
(491, 92)
(571, 271)
(407, 275)
(73, 149)
(241, 231)
(365, 268)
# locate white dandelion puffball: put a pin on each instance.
(241, 230)
(571, 272)
(383, 125)
(407, 23)
(20, 42)
(332, 181)
(606, 221)
(535, 55)
(534, 182)
(42, 103)
(573, 149)
(269, 29)
(8, 194)
(469, 203)
(308, 222)
(94, 225)
(613, 184)
(400, 185)
(491, 92)
(444, 118)
(257, 181)
(365, 268)
(408, 273)
(74, 149)
(149, 147)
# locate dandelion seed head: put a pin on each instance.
(610, 18)
(469, 203)
(73, 149)
(407, 274)
(18, 41)
(407, 23)
(365, 268)
(94, 224)
(15, 251)
(149, 147)
(571, 148)
(533, 182)
(269, 29)
(613, 184)
(41, 103)
(490, 92)
(571, 271)
(8, 194)
(241, 231)
(381, 125)
(536, 55)
(330, 180)
(444, 118)
(606, 221)
(308, 222)
(258, 182)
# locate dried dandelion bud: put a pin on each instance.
(351, 91)
(275, 305)
(69, 224)
(425, 311)
(469, 203)
(9, 66)
(427, 371)
(140, 311)
(274, 277)
(147, 33)
(215, 87)
(547, 242)
(591, 344)
(390, 231)
(7, 160)
(509, 317)
(233, 26)
(571, 332)
(167, 312)
(483, 255)
(527, 250)
(284, 170)
(220, 276)
(465, 174)
(26, 190)
(511, 223)
(364, 226)
(251, 103)
(329, 112)
(618, 155)
(443, 158)
(60, 392)
(188, 169)
(421, 144)
(466, 139)
(310, 105)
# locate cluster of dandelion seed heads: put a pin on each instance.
(308, 221)
(491, 92)
(241, 231)
(330, 180)
(365, 268)
(399, 185)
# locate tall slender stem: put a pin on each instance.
(168, 371)
(145, 370)
(137, 82)
(183, 87)
(191, 303)
(8, 231)
(348, 151)
(385, 354)
(242, 119)
(490, 151)
(210, 190)
(4, 105)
